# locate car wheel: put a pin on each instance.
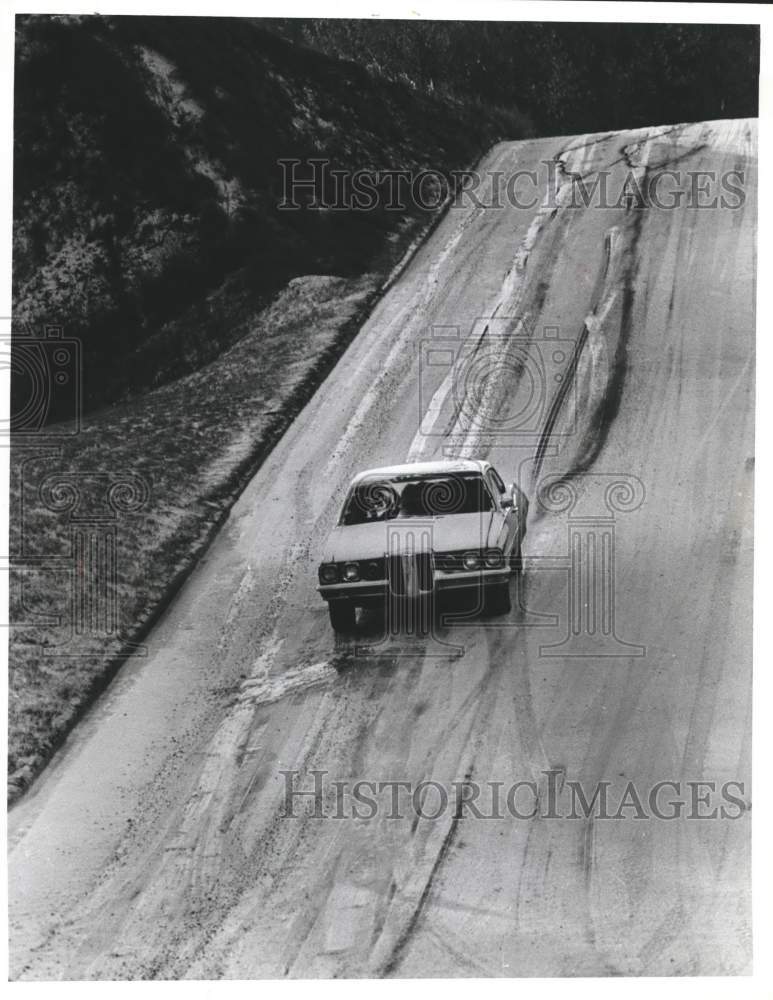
(516, 560)
(498, 599)
(342, 615)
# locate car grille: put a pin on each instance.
(410, 575)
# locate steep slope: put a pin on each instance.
(147, 177)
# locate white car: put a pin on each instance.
(410, 531)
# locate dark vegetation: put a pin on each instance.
(147, 175)
(567, 77)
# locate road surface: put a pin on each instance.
(609, 360)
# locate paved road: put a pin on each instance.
(614, 380)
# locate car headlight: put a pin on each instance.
(372, 570)
(494, 558)
(328, 573)
(471, 560)
(351, 572)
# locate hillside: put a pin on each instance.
(147, 181)
(567, 77)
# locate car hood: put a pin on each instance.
(441, 534)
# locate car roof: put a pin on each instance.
(440, 467)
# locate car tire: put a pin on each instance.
(516, 561)
(342, 615)
(498, 599)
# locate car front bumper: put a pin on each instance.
(443, 582)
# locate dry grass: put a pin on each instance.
(191, 445)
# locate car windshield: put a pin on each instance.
(416, 496)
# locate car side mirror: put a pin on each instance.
(508, 500)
